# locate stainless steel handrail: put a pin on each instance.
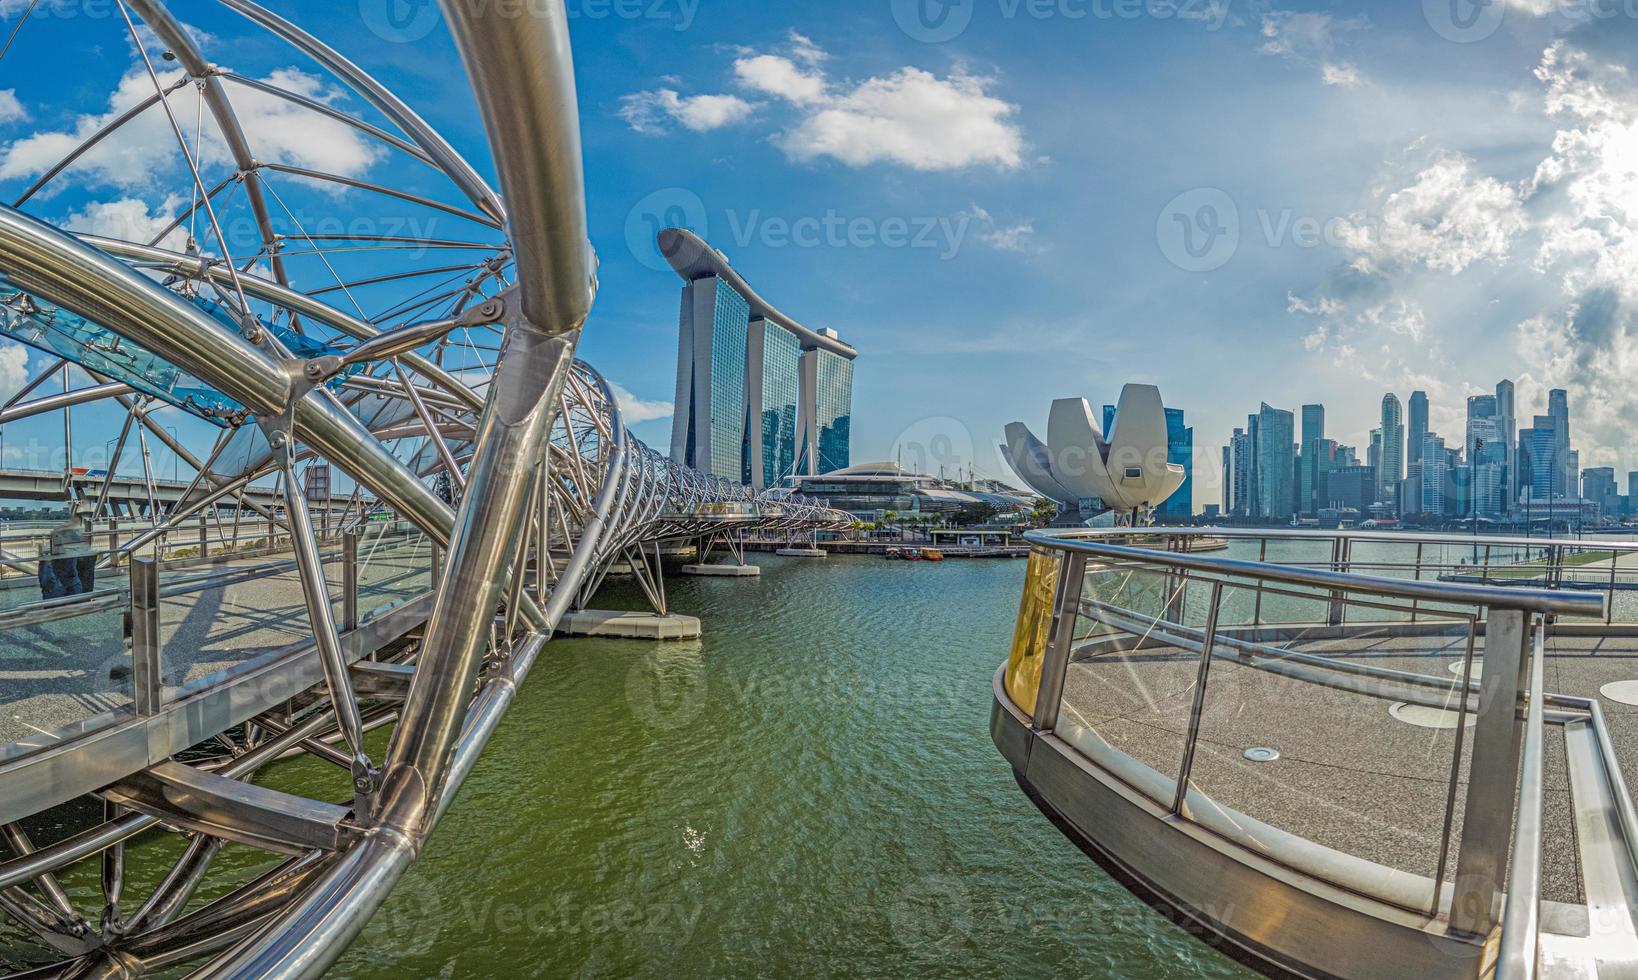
(1543, 601)
(1390, 537)
(1521, 918)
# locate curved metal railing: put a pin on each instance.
(1161, 663)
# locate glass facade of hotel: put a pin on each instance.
(833, 409)
(781, 386)
(729, 323)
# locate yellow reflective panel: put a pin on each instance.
(1029, 637)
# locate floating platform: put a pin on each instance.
(629, 625)
(803, 553)
(726, 571)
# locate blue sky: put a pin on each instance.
(1000, 202)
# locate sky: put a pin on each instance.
(1003, 202)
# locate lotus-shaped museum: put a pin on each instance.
(1086, 472)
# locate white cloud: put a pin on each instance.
(634, 410)
(1310, 38)
(909, 116)
(129, 219)
(11, 108)
(144, 151)
(1340, 74)
(914, 118)
(779, 76)
(1446, 220)
(13, 369)
(648, 112)
(1019, 237)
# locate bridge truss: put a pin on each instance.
(433, 368)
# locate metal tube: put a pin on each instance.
(1198, 708)
(1522, 917)
(147, 684)
(317, 593)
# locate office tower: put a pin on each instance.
(1598, 485)
(760, 397)
(1542, 449)
(1507, 414)
(1566, 477)
(1347, 456)
(1435, 463)
(1632, 492)
(1392, 467)
(1179, 508)
(1276, 463)
(1228, 474)
(1240, 448)
(1351, 488)
(1313, 431)
(1481, 418)
(1373, 455)
(1418, 425)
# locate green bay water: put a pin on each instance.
(809, 790)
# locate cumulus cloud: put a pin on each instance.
(648, 112)
(1446, 220)
(909, 116)
(144, 152)
(634, 410)
(1572, 225)
(11, 108)
(130, 219)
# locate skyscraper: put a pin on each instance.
(1392, 468)
(1598, 485)
(1566, 480)
(1418, 426)
(1507, 415)
(1244, 462)
(760, 397)
(1313, 431)
(1435, 475)
(1541, 442)
(1276, 462)
(1179, 508)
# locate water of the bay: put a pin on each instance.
(809, 790)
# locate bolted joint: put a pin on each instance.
(278, 438)
(489, 311)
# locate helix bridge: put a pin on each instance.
(393, 481)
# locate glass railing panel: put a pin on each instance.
(394, 567)
(1343, 737)
(1130, 677)
(61, 664)
(218, 615)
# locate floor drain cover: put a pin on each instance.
(1478, 668)
(1262, 754)
(1423, 716)
(1621, 692)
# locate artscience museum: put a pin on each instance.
(1123, 475)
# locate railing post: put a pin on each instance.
(204, 537)
(1066, 608)
(1197, 709)
(146, 682)
(349, 581)
(1339, 563)
(1487, 829)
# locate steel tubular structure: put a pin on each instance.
(434, 370)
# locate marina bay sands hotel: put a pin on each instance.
(760, 398)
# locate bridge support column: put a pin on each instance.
(628, 625)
